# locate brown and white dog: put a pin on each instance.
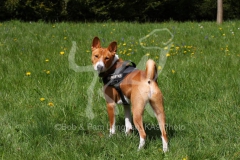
(138, 86)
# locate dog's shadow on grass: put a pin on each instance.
(152, 129)
(154, 132)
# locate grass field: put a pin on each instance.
(45, 103)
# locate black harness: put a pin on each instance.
(117, 76)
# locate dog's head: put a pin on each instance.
(103, 58)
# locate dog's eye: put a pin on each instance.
(96, 56)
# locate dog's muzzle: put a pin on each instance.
(99, 68)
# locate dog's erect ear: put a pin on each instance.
(96, 43)
(113, 47)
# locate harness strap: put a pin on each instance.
(117, 85)
(124, 101)
(124, 65)
(115, 82)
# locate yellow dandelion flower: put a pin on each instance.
(62, 53)
(148, 54)
(65, 38)
(53, 26)
(220, 28)
(185, 158)
(48, 72)
(87, 51)
(124, 44)
(42, 99)
(168, 54)
(185, 52)
(50, 104)
(224, 34)
(173, 71)
(28, 73)
(129, 49)
(46, 60)
(177, 48)
(166, 48)
(159, 67)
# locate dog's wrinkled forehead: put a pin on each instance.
(100, 51)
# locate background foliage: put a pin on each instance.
(120, 10)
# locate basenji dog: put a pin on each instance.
(137, 87)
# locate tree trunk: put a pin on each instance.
(219, 11)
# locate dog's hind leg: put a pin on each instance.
(138, 109)
(156, 101)
(137, 119)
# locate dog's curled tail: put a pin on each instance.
(151, 71)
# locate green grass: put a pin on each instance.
(200, 83)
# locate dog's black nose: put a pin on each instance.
(99, 68)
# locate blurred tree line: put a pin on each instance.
(117, 10)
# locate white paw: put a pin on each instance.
(112, 131)
(141, 143)
(165, 145)
(165, 150)
(128, 131)
(128, 127)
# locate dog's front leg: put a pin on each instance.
(128, 124)
(111, 116)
